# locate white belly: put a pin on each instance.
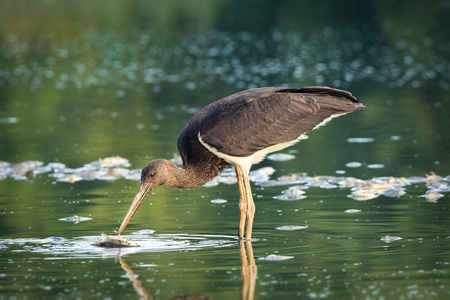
(245, 162)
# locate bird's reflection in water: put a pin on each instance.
(137, 284)
(248, 268)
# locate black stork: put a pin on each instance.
(241, 130)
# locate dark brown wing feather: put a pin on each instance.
(244, 123)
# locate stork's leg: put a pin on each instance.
(250, 205)
(242, 202)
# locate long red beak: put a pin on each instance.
(143, 190)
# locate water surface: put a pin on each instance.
(86, 81)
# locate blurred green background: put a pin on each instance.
(93, 78)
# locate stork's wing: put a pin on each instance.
(243, 123)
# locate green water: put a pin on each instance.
(81, 81)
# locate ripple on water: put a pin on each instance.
(82, 247)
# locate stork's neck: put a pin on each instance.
(186, 178)
(191, 176)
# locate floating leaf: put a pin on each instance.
(432, 178)
(75, 219)
(281, 157)
(375, 166)
(352, 210)
(363, 194)
(393, 192)
(353, 164)
(388, 239)
(219, 201)
(432, 195)
(114, 162)
(273, 257)
(441, 186)
(292, 193)
(291, 227)
(360, 140)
